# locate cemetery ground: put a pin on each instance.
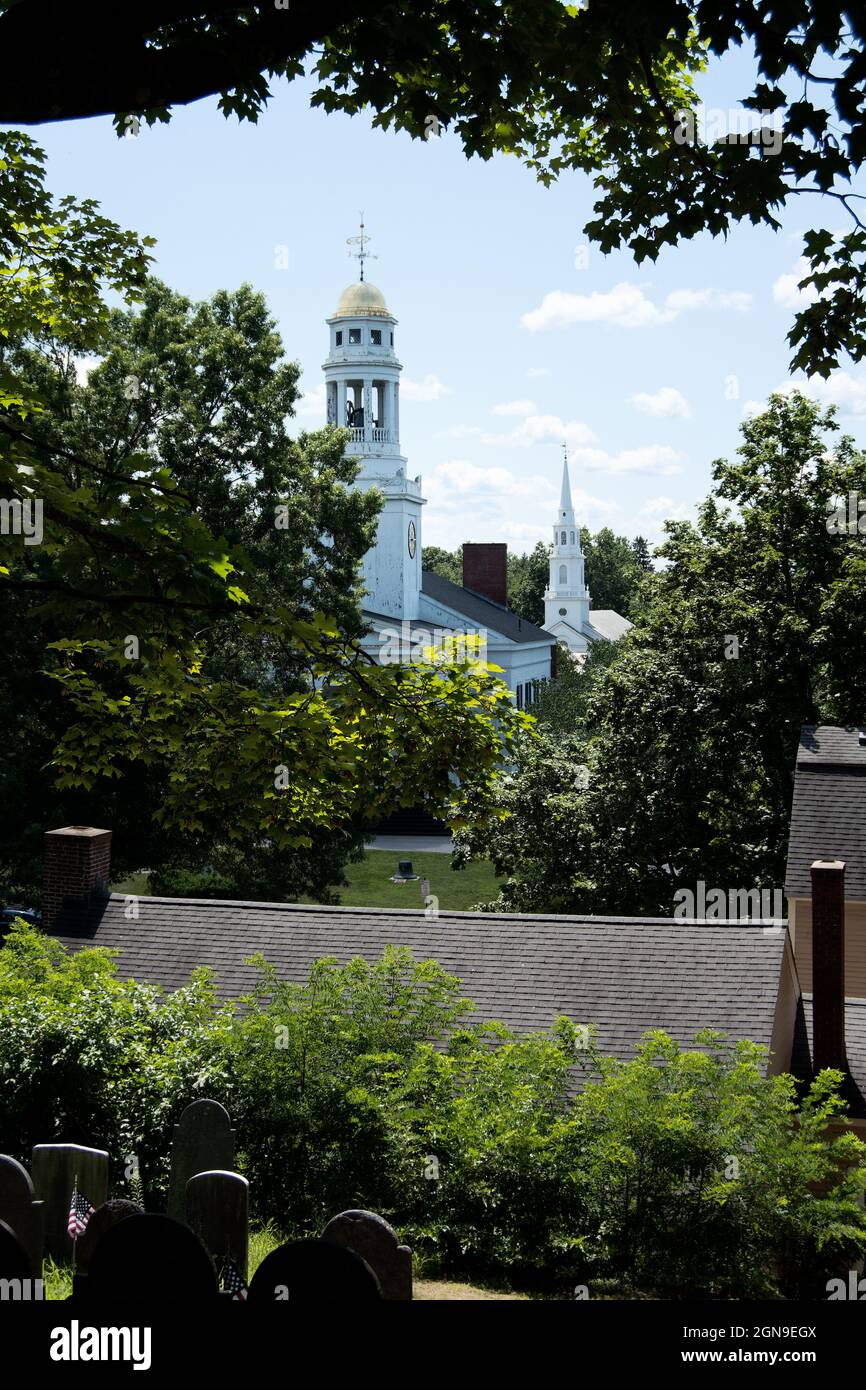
(369, 882)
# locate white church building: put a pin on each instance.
(567, 613)
(404, 606)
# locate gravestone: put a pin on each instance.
(149, 1258)
(20, 1211)
(378, 1244)
(204, 1141)
(217, 1209)
(14, 1262)
(101, 1221)
(313, 1271)
(54, 1170)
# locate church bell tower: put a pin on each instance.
(362, 393)
(566, 602)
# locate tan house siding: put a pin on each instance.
(800, 915)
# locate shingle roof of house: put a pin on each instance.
(480, 611)
(626, 975)
(828, 815)
(855, 1041)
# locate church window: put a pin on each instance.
(563, 574)
(339, 337)
(519, 694)
(563, 612)
(354, 335)
(392, 339)
(571, 536)
(376, 336)
(563, 538)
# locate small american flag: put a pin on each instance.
(80, 1212)
(232, 1281)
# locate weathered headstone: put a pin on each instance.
(203, 1141)
(20, 1211)
(217, 1209)
(101, 1221)
(313, 1271)
(54, 1171)
(378, 1244)
(148, 1258)
(14, 1266)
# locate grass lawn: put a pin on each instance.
(457, 892)
(369, 884)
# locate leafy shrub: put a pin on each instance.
(684, 1172)
(86, 1058)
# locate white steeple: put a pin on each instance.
(362, 393)
(566, 602)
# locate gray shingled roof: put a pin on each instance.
(480, 611)
(828, 815)
(624, 974)
(855, 1043)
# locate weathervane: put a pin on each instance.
(564, 452)
(361, 241)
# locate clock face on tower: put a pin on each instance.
(411, 540)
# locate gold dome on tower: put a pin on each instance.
(361, 298)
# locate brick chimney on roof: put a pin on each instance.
(485, 570)
(76, 869)
(828, 965)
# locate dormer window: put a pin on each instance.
(338, 337)
(354, 335)
(376, 336)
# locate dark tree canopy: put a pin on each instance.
(601, 87)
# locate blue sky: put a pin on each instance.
(512, 332)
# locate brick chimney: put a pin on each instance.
(485, 570)
(76, 868)
(828, 965)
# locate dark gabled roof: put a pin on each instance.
(828, 815)
(626, 975)
(855, 1042)
(480, 611)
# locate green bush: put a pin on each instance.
(681, 1172)
(89, 1059)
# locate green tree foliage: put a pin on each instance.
(754, 628)
(528, 577)
(205, 391)
(125, 552)
(563, 706)
(614, 568)
(446, 563)
(607, 89)
(679, 1172)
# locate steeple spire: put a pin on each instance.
(566, 507)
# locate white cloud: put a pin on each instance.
(461, 476)
(538, 371)
(751, 408)
(627, 306)
(539, 429)
(666, 401)
(665, 507)
(515, 408)
(648, 458)
(311, 405)
(430, 389)
(840, 388)
(786, 289)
